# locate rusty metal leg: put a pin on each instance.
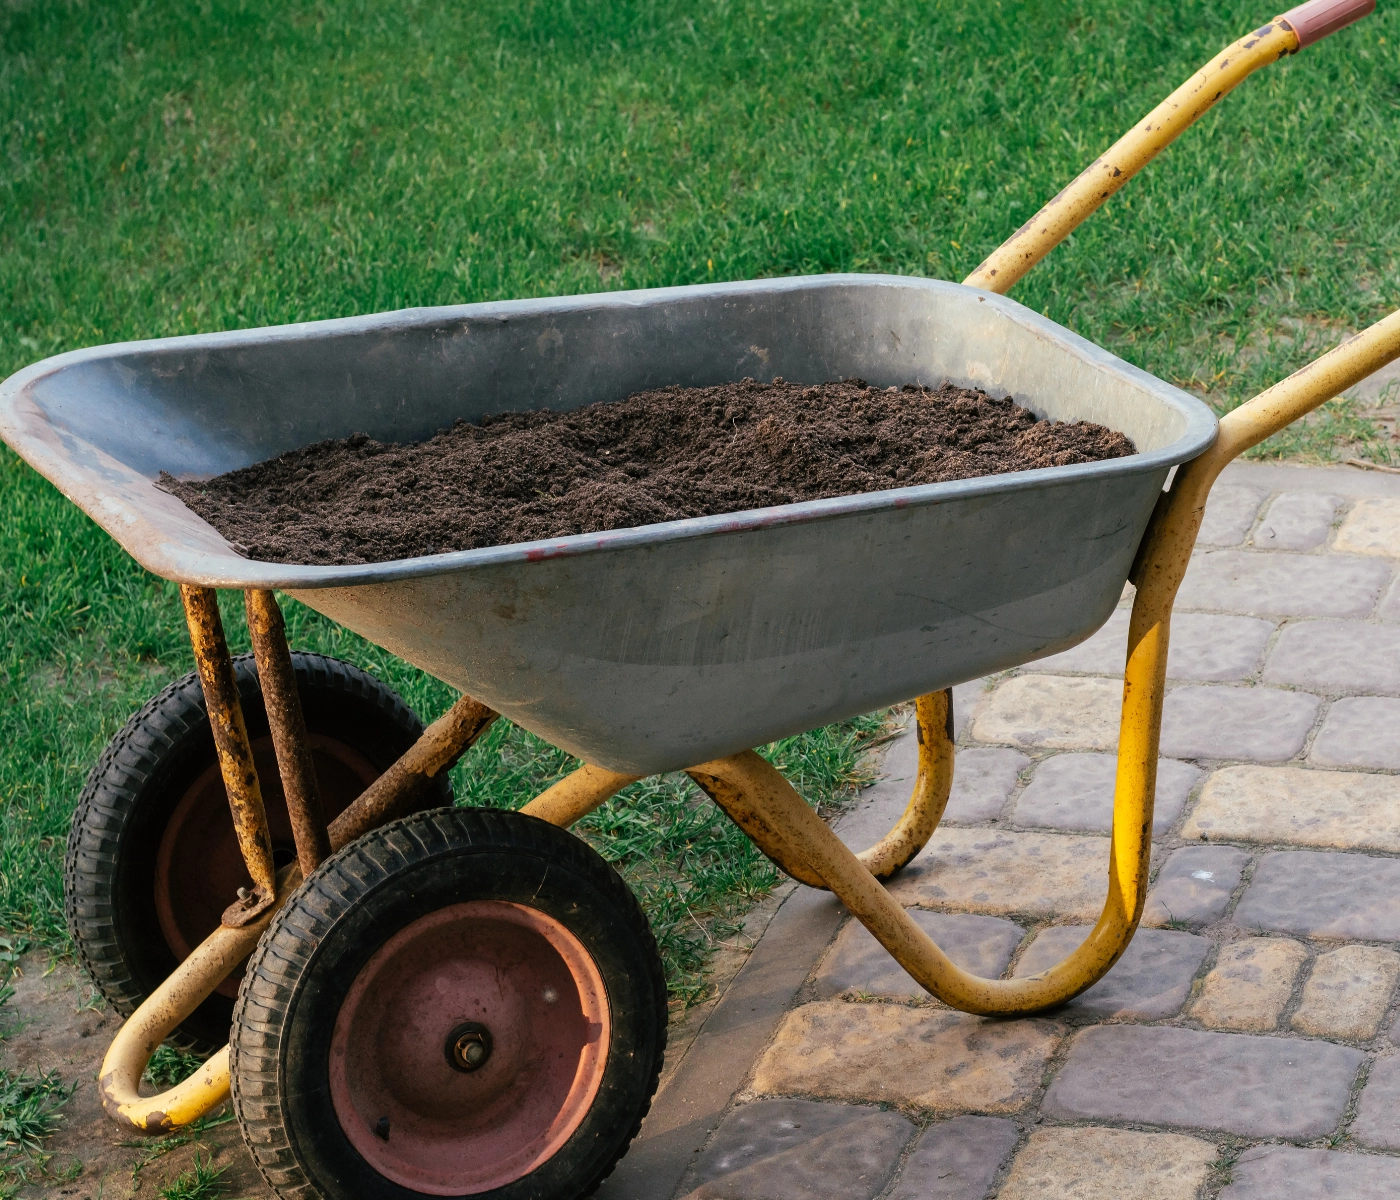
(933, 724)
(211, 656)
(288, 726)
(442, 744)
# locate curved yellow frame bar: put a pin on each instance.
(933, 725)
(765, 805)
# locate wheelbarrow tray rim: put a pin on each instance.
(29, 431)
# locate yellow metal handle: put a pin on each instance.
(1133, 151)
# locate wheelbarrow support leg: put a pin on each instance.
(765, 805)
(288, 727)
(245, 800)
(933, 725)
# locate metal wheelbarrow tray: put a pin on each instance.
(355, 1069)
(654, 648)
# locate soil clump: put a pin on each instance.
(655, 456)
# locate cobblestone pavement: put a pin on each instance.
(1247, 1045)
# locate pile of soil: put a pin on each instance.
(655, 456)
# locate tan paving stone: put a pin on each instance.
(1341, 809)
(1249, 986)
(1348, 992)
(1054, 712)
(998, 872)
(1372, 527)
(1093, 1163)
(887, 1053)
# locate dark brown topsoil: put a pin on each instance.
(655, 456)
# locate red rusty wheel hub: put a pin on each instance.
(469, 1048)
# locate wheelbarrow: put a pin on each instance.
(426, 1000)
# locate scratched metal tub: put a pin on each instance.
(653, 648)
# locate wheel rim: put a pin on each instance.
(425, 1122)
(199, 867)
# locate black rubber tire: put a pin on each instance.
(133, 790)
(360, 898)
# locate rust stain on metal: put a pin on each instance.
(235, 754)
(288, 727)
(391, 795)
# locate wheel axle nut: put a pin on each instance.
(468, 1047)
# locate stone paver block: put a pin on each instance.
(982, 780)
(1345, 809)
(1314, 893)
(1205, 648)
(1261, 724)
(887, 1053)
(1348, 992)
(1215, 648)
(1337, 656)
(1250, 984)
(1195, 885)
(858, 963)
(1149, 983)
(1075, 791)
(999, 872)
(957, 1159)
(1390, 606)
(1372, 527)
(1230, 512)
(1359, 731)
(1055, 712)
(966, 699)
(801, 1150)
(1161, 1075)
(1288, 1173)
(1091, 1164)
(1297, 521)
(1286, 585)
(1378, 1116)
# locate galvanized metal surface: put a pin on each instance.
(653, 648)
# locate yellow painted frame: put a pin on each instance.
(760, 799)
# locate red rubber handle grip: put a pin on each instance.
(1316, 19)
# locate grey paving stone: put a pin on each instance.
(1075, 791)
(1359, 731)
(1230, 511)
(956, 1160)
(1389, 609)
(1297, 521)
(1255, 724)
(858, 963)
(1289, 1173)
(1149, 983)
(1205, 647)
(1314, 893)
(982, 780)
(1286, 585)
(1161, 1075)
(1195, 885)
(966, 697)
(1377, 1121)
(801, 1150)
(1337, 656)
(1214, 648)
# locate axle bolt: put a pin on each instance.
(468, 1047)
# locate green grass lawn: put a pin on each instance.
(173, 168)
